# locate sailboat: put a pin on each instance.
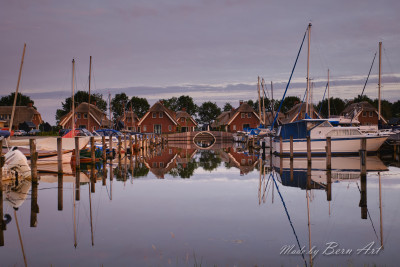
(344, 140)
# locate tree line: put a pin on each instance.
(206, 112)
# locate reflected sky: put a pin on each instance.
(185, 206)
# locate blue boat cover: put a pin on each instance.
(296, 129)
(4, 134)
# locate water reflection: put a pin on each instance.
(145, 211)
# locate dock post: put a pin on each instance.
(77, 185)
(125, 145)
(104, 148)
(59, 154)
(328, 153)
(291, 147)
(34, 205)
(34, 156)
(308, 149)
(136, 143)
(280, 146)
(104, 173)
(93, 179)
(131, 144)
(92, 150)
(329, 185)
(110, 147)
(60, 192)
(270, 145)
(263, 149)
(363, 163)
(119, 147)
(77, 154)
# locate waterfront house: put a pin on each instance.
(23, 115)
(237, 119)
(363, 112)
(244, 162)
(129, 120)
(97, 119)
(298, 111)
(160, 119)
(161, 163)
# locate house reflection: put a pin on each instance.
(244, 162)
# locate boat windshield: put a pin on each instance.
(343, 132)
(312, 124)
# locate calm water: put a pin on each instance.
(186, 207)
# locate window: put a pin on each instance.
(183, 120)
(169, 127)
(138, 129)
(154, 115)
(170, 151)
(364, 114)
(249, 115)
(154, 164)
(243, 161)
(94, 128)
(243, 115)
(371, 114)
(144, 128)
(134, 129)
(234, 127)
(82, 126)
(160, 115)
(157, 128)
(246, 126)
(161, 164)
(85, 115)
(79, 115)
(250, 161)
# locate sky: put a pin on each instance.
(210, 50)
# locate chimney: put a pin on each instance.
(240, 102)
(29, 105)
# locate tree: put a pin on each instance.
(337, 106)
(45, 127)
(208, 111)
(79, 97)
(139, 105)
(287, 104)
(22, 100)
(183, 102)
(386, 108)
(396, 109)
(209, 160)
(228, 106)
(118, 103)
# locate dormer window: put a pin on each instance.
(85, 115)
(154, 115)
(160, 115)
(243, 115)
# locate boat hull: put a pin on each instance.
(339, 146)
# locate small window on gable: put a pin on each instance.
(371, 113)
(364, 114)
(234, 127)
(243, 115)
(169, 127)
(154, 115)
(161, 164)
(85, 115)
(161, 115)
(144, 128)
(154, 164)
(183, 120)
(249, 115)
(79, 115)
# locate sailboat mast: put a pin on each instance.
(329, 99)
(273, 102)
(90, 72)
(379, 82)
(73, 97)
(263, 103)
(16, 91)
(259, 99)
(308, 68)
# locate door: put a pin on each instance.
(157, 128)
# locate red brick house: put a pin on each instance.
(363, 112)
(162, 163)
(97, 118)
(185, 122)
(237, 119)
(244, 162)
(130, 120)
(22, 115)
(160, 119)
(298, 111)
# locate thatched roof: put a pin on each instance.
(354, 110)
(298, 109)
(95, 112)
(129, 114)
(22, 114)
(227, 117)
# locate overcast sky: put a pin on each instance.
(211, 50)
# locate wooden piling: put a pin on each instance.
(125, 146)
(60, 192)
(136, 143)
(93, 179)
(77, 154)
(363, 163)
(270, 145)
(103, 143)
(280, 146)
(59, 155)
(308, 148)
(34, 156)
(329, 185)
(104, 180)
(110, 147)
(131, 144)
(77, 185)
(328, 153)
(34, 205)
(119, 147)
(291, 147)
(92, 150)
(263, 149)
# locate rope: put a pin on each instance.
(290, 221)
(302, 102)
(290, 78)
(366, 81)
(369, 216)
